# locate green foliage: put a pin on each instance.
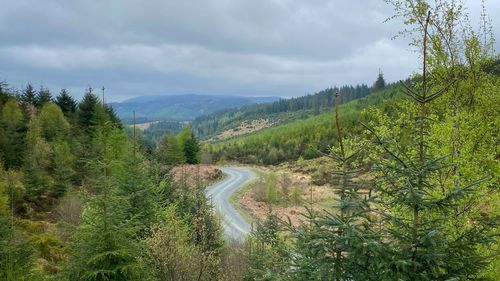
(5, 92)
(132, 182)
(43, 96)
(341, 245)
(296, 195)
(191, 151)
(434, 164)
(12, 191)
(104, 245)
(111, 114)
(174, 256)
(15, 253)
(107, 243)
(269, 257)
(12, 138)
(66, 102)
(435, 230)
(431, 212)
(379, 84)
(282, 111)
(86, 110)
(171, 253)
(104, 248)
(169, 151)
(156, 130)
(36, 162)
(53, 123)
(189, 145)
(271, 188)
(63, 171)
(49, 161)
(304, 138)
(28, 96)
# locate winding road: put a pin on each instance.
(235, 226)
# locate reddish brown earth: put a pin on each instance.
(260, 210)
(321, 196)
(201, 174)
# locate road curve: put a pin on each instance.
(235, 226)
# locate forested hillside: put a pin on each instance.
(179, 107)
(308, 138)
(412, 171)
(282, 111)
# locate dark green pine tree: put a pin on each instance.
(112, 115)
(191, 150)
(86, 110)
(43, 96)
(66, 102)
(5, 92)
(28, 100)
(379, 83)
(28, 96)
(12, 139)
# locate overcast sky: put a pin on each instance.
(229, 47)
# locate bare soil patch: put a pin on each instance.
(194, 175)
(303, 181)
(244, 128)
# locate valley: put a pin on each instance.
(242, 141)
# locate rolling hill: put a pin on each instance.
(225, 123)
(306, 138)
(179, 107)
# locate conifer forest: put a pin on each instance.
(388, 179)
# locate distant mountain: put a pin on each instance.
(179, 107)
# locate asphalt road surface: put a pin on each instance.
(235, 226)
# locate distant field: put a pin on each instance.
(144, 126)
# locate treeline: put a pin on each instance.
(313, 104)
(80, 199)
(46, 139)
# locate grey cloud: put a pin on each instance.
(278, 47)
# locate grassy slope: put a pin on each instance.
(292, 139)
(277, 119)
(211, 126)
